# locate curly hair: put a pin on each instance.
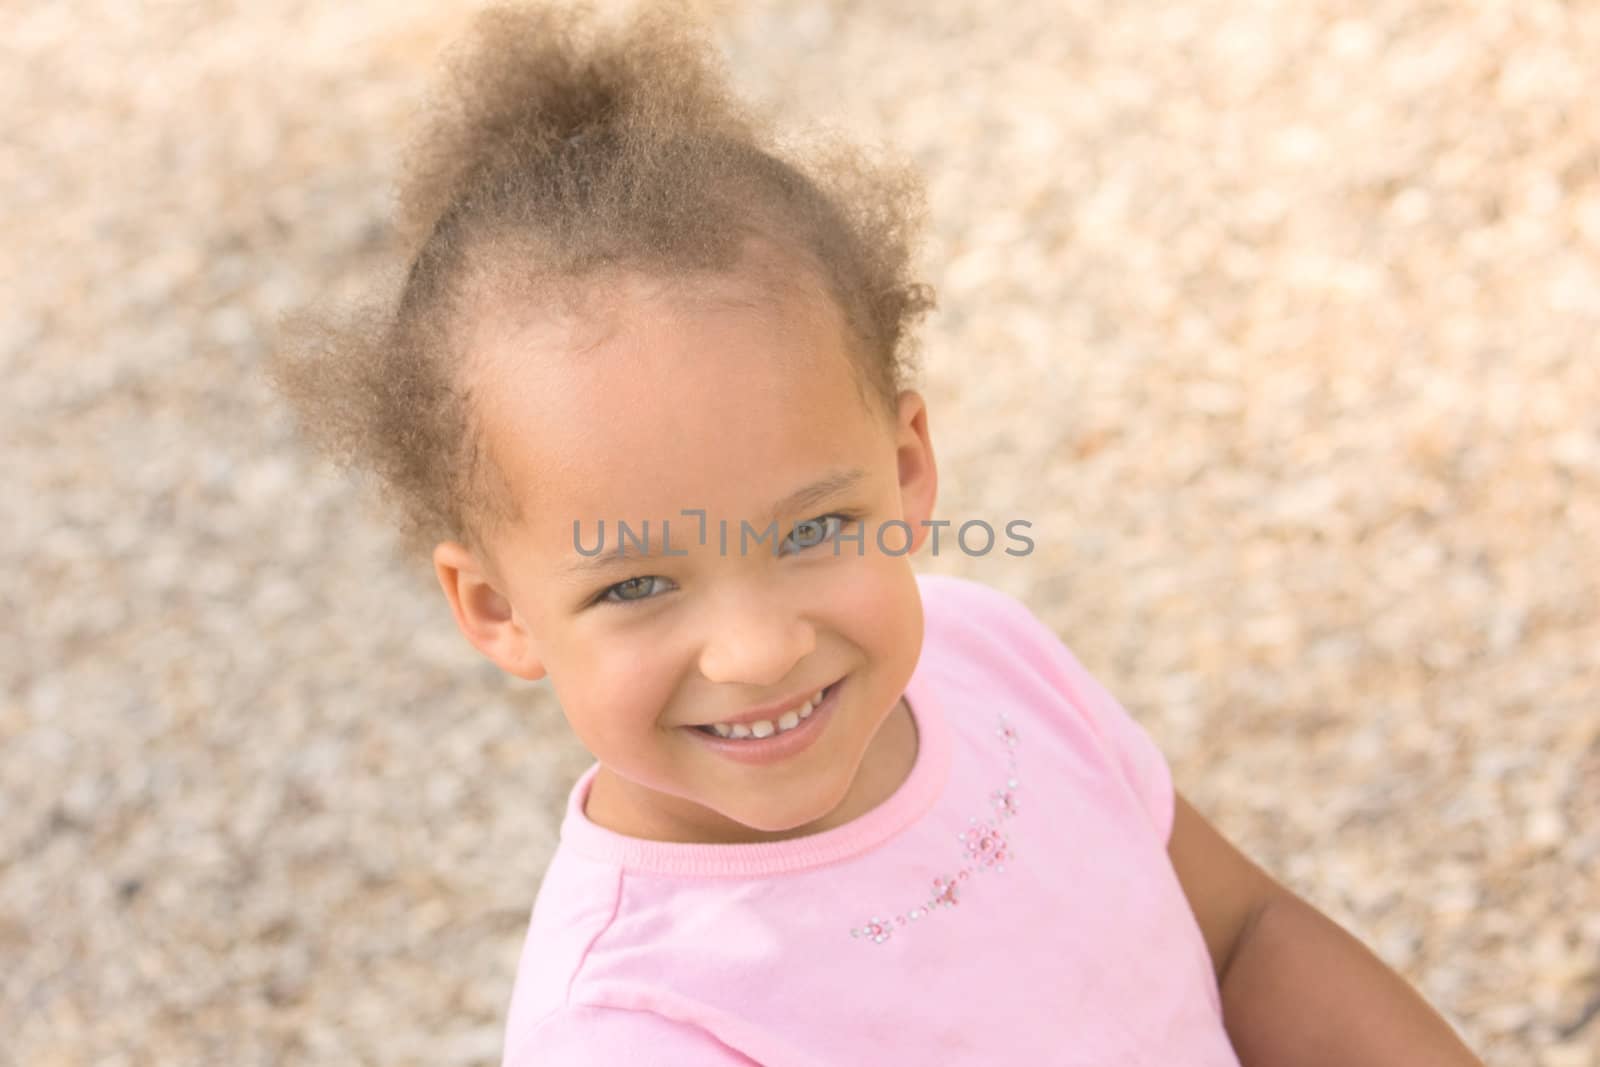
(555, 151)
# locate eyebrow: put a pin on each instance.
(807, 496)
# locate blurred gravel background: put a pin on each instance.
(1278, 321)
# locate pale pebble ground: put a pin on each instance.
(1278, 321)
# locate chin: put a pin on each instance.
(779, 822)
(798, 817)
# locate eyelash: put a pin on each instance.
(844, 517)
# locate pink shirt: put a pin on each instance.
(1011, 903)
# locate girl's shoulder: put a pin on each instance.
(949, 588)
(978, 610)
(978, 630)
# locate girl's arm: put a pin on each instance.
(1297, 990)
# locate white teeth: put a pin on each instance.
(811, 705)
(765, 727)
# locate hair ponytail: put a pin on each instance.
(553, 148)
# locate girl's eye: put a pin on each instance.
(815, 531)
(629, 591)
(806, 534)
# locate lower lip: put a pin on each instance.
(779, 746)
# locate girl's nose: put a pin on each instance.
(754, 640)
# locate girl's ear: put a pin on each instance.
(484, 615)
(919, 476)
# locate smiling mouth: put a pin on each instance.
(757, 731)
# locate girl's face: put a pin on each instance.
(741, 404)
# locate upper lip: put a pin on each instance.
(771, 711)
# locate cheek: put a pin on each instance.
(878, 604)
(623, 686)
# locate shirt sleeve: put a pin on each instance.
(588, 1035)
(1126, 743)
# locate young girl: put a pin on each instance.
(644, 394)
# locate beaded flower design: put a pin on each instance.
(983, 848)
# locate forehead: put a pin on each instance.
(645, 398)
